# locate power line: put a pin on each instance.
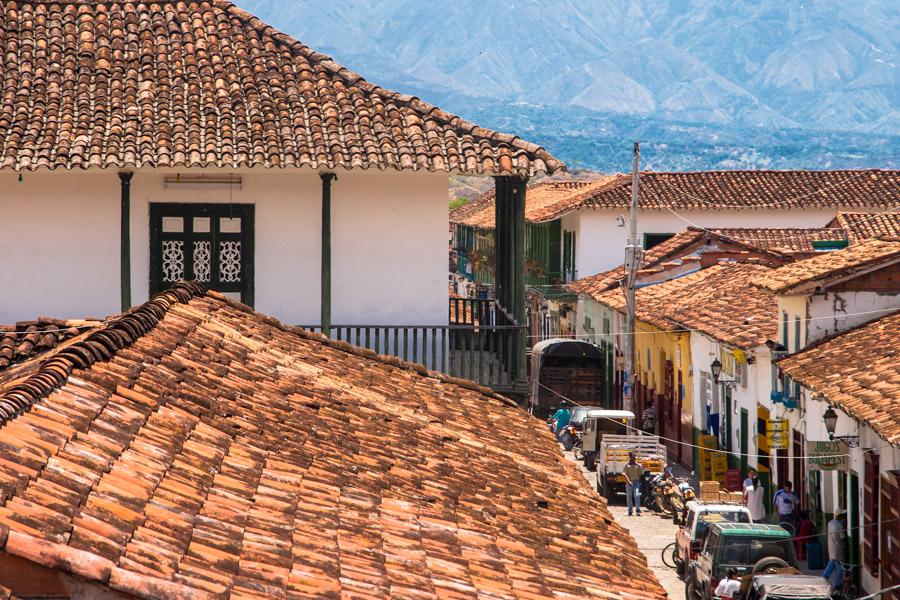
(622, 333)
(717, 450)
(733, 239)
(60, 329)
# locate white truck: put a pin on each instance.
(613, 456)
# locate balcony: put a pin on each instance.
(480, 343)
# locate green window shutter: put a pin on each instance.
(554, 249)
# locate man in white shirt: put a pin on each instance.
(837, 536)
(786, 502)
(729, 586)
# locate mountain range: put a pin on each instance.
(705, 83)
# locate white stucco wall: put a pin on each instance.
(601, 242)
(60, 243)
(755, 390)
(833, 312)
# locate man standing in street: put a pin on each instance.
(786, 503)
(632, 473)
(837, 536)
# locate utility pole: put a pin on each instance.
(632, 264)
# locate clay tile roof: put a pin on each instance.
(116, 84)
(783, 239)
(857, 371)
(25, 340)
(807, 274)
(599, 283)
(861, 226)
(544, 202)
(736, 190)
(717, 301)
(192, 448)
(701, 190)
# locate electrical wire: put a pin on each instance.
(716, 450)
(891, 212)
(795, 538)
(880, 592)
(60, 329)
(623, 333)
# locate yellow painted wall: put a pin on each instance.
(661, 346)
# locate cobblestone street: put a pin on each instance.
(652, 532)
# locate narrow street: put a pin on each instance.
(652, 532)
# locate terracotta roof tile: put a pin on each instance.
(701, 190)
(543, 202)
(25, 340)
(782, 239)
(117, 84)
(739, 190)
(858, 372)
(802, 275)
(717, 301)
(599, 283)
(861, 226)
(193, 448)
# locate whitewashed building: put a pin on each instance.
(142, 144)
(579, 226)
(838, 328)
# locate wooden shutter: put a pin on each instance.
(870, 514)
(890, 529)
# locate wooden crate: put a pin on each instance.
(709, 491)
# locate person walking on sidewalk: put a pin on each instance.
(632, 473)
(753, 499)
(837, 536)
(786, 503)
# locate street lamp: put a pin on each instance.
(830, 417)
(716, 370)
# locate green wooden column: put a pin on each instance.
(509, 230)
(325, 318)
(125, 242)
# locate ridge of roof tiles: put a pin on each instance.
(778, 244)
(861, 225)
(782, 239)
(601, 282)
(118, 84)
(192, 448)
(743, 190)
(700, 190)
(717, 301)
(799, 276)
(857, 371)
(25, 340)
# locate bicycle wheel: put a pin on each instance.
(668, 555)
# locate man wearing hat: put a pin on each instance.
(837, 537)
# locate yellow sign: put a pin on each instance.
(777, 434)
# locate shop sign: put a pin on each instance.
(827, 456)
(777, 434)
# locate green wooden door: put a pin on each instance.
(745, 437)
(854, 526)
